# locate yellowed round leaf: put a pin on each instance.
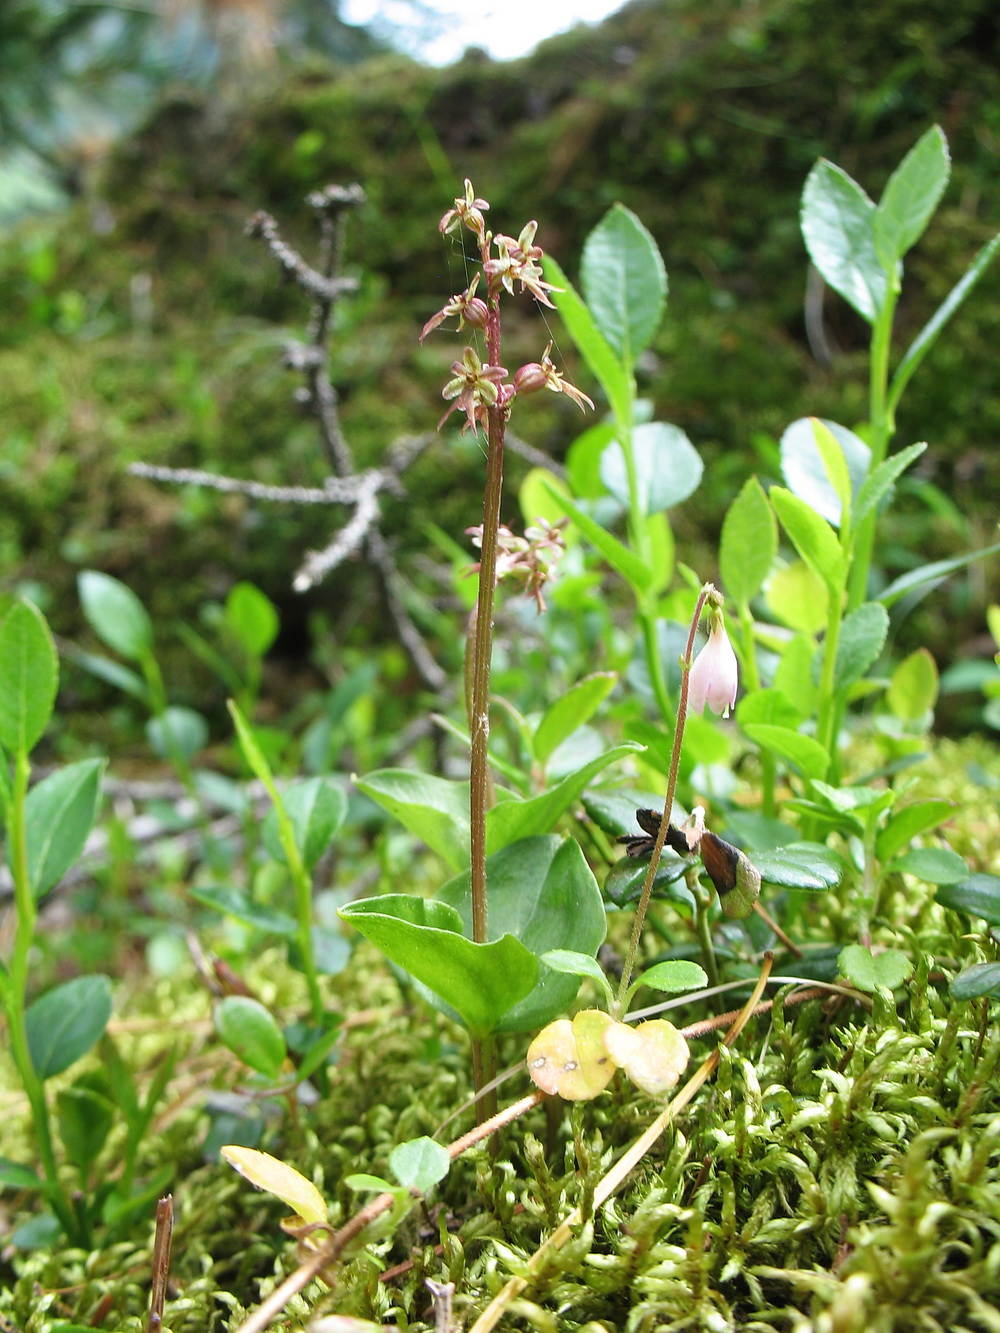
(570, 1059)
(278, 1178)
(653, 1054)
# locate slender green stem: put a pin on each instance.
(703, 928)
(15, 994)
(751, 678)
(881, 428)
(675, 759)
(654, 663)
(827, 710)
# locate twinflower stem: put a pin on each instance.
(661, 837)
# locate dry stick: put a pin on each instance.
(625, 1164)
(161, 1262)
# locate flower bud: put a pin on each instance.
(531, 378)
(736, 878)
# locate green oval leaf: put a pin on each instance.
(434, 809)
(250, 1031)
(668, 467)
(800, 865)
(115, 614)
(913, 689)
(29, 677)
(480, 982)
(905, 824)
(673, 977)
(543, 893)
(178, 731)
(936, 865)
(862, 636)
(317, 810)
(63, 1024)
(749, 543)
(225, 898)
(591, 343)
(910, 197)
(803, 752)
(976, 981)
(574, 708)
(812, 537)
(838, 228)
(59, 813)
(420, 1163)
(979, 895)
(624, 282)
(251, 618)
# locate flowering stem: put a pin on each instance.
(675, 759)
(479, 706)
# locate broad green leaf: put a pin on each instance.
(668, 468)
(177, 731)
(862, 636)
(543, 893)
(279, 1179)
(113, 673)
(673, 977)
(979, 895)
(420, 1164)
(905, 824)
(749, 543)
(569, 1059)
(927, 336)
(624, 282)
(624, 881)
(838, 229)
(251, 618)
(583, 461)
(866, 970)
(234, 903)
(812, 537)
(800, 865)
(768, 706)
(537, 503)
(591, 343)
(511, 820)
(935, 865)
(434, 809)
(913, 689)
(59, 814)
(976, 981)
(576, 964)
(662, 551)
(64, 1023)
(115, 614)
(802, 752)
(250, 1031)
(17, 1176)
(623, 561)
(934, 572)
(29, 676)
(480, 982)
(879, 482)
(571, 710)
(809, 451)
(793, 675)
(910, 197)
(317, 810)
(85, 1118)
(798, 598)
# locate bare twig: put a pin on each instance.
(161, 1263)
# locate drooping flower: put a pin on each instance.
(543, 375)
(475, 388)
(469, 308)
(714, 673)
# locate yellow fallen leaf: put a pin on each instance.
(570, 1059)
(653, 1054)
(278, 1178)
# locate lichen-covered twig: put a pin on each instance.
(326, 284)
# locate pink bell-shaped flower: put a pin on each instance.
(714, 673)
